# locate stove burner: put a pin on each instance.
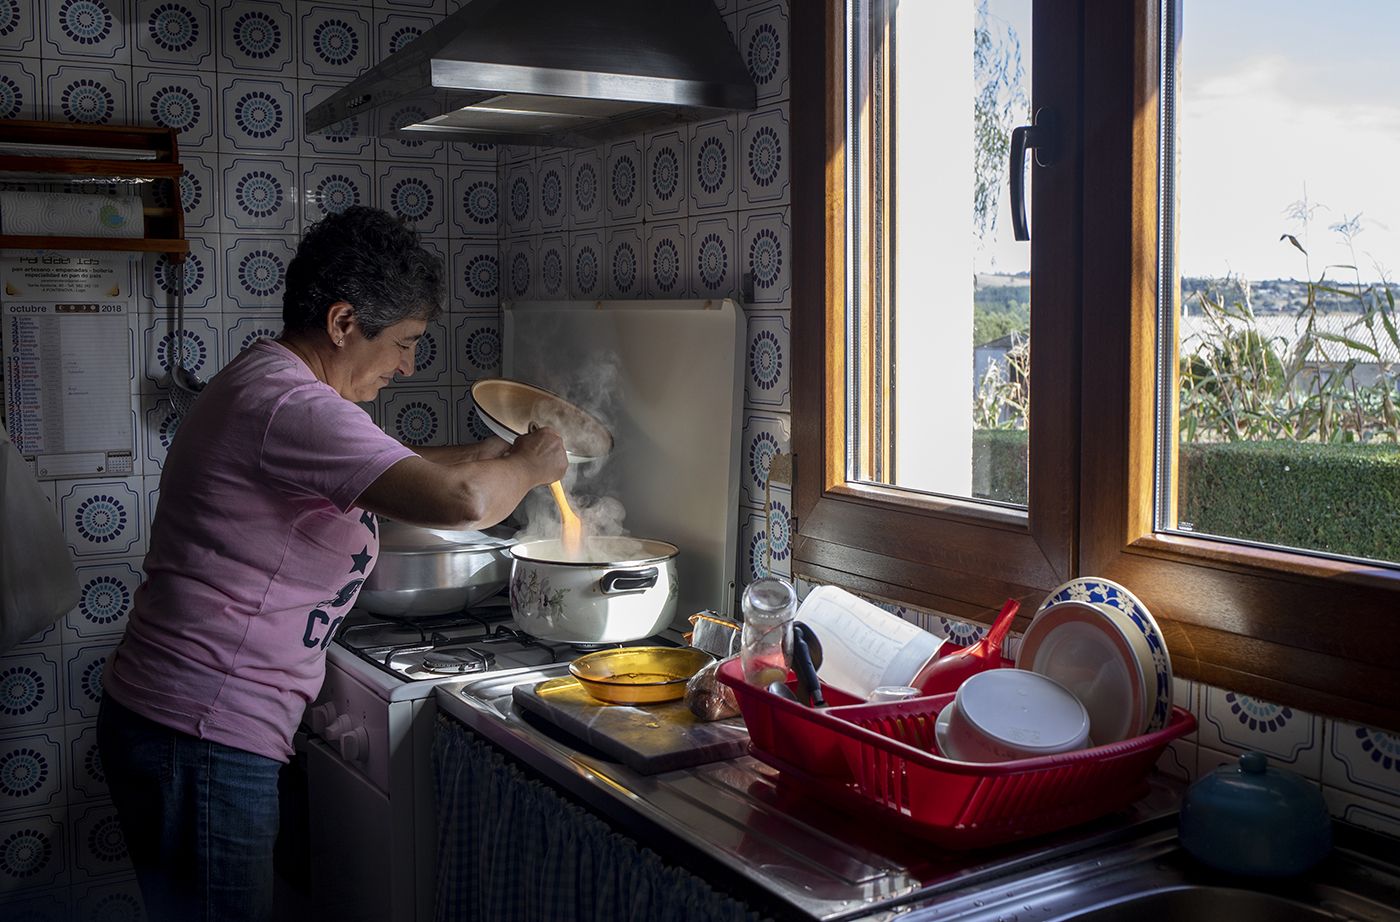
(457, 660)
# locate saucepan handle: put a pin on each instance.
(618, 581)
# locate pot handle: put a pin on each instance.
(618, 581)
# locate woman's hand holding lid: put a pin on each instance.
(543, 448)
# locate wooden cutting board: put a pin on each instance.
(650, 738)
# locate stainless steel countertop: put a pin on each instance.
(738, 818)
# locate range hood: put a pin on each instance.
(547, 72)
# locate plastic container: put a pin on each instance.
(882, 758)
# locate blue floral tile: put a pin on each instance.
(182, 100)
(467, 426)
(754, 562)
(417, 195)
(19, 28)
(86, 95)
(515, 153)
(198, 272)
(462, 153)
(763, 146)
(475, 202)
(714, 258)
(625, 193)
(667, 175)
(32, 853)
(769, 365)
(105, 593)
(30, 692)
(518, 268)
(552, 176)
(174, 32)
(198, 351)
(476, 345)
(103, 518)
(199, 191)
(430, 357)
(245, 329)
(475, 276)
(585, 269)
(86, 30)
(257, 115)
(259, 193)
(328, 187)
(766, 243)
(520, 198)
(551, 283)
(335, 42)
(255, 271)
(416, 416)
(86, 778)
(714, 168)
(99, 848)
(585, 189)
(395, 31)
(346, 138)
(626, 268)
(778, 525)
(668, 260)
(257, 36)
(119, 898)
(390, 149)
(31, 771)
(763, 43)
(161, 425)
(19, 88)
(765, 435)
(151, 484)
(1362, 760)
(1232, 722)
(1363, 811)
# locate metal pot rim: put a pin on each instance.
(522, 550)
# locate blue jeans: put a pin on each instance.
(200, 819)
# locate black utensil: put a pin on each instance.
(809, 687)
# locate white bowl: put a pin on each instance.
(1004, 714)
(1095, 651)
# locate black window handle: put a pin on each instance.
(1041, 136)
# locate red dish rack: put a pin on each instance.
(883, 756)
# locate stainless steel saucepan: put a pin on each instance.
(435, 571)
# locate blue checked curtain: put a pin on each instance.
(511, 848)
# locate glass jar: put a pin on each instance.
(769, 606)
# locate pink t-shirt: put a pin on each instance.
(256, 554)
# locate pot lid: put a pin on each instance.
(512, 408)
(401, 537)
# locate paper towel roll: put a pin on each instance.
(61, 214)
(864, 646)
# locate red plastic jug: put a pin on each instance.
(946, 673)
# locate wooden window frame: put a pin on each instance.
(1294, 629)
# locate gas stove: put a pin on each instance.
(460, 645)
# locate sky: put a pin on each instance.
(1279, 100)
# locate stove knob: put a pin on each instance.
(337, 728)
(321, 716)
(354, 745)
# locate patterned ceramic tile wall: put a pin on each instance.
(234, 78)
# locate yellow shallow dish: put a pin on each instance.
(638, 675)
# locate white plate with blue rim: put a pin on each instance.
(1107, 592)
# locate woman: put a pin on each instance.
(266, 529)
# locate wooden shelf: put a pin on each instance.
(63, 151)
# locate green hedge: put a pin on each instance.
(1342, 499)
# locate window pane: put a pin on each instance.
(943, 397)
(1287, 230)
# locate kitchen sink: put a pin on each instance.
(1150, 878)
